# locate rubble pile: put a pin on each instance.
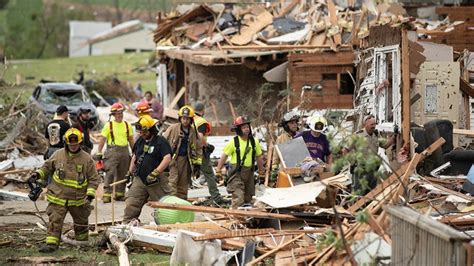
(281, 25)
(307, 224)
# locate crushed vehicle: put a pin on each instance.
(48, 96)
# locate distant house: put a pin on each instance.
(130, 36)
(79, 34)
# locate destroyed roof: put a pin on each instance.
(280, 26)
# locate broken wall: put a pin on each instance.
(438, 85)
(223, 84)
(325, 78)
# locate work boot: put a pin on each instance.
(106, 199)
(220, 201)
(119, 198)
(48, 248)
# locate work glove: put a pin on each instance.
(129, 178)
(153, 176)
(210, 148)
(89, 202)
(98, 156)
(197, 170)
(33, 178)
(260, 177)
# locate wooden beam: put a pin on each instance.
(232, 212)
(177, 97)
(288, 8)
(405, 90)
(280, 47)
(333, 18)
(465, 132)
(234, 233)
(271, 252)
(16, 171)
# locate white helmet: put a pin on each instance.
(317, 119)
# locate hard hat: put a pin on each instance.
(318, 123)
(143, 107)
(241, 120)
(145, 123)
(186, 111)
(289, 116)
(117, 108)
(73, 136)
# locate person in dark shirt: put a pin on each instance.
(151, 158)
(84, 125)
(55, 131)
(316, 141)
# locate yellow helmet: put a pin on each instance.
(146, 122)
(73, 136)
(186, 111)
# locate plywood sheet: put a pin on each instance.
(246, 33)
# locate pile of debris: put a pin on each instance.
(307, 224)
(280, 25)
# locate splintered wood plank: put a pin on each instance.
(246, 33)
(271, 252)
(318, 39)
(232, 212)
(234, 233)
(405, 88)
(333, 20)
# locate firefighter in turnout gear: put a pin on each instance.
(119, 136)
(150, 159)
(204, 129)
(186, 152)
(289, 123)
(244, 151)
(73, 186)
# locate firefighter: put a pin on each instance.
(56, 129)
(150, 159)
(119, 136)
(204, 130)
(244, 151)
(84, 124)
(289, 123)
(73, 186)
(187, 152)
(143, 108)
(315, 139)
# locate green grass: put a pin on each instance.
(92, 256)
(66, 69)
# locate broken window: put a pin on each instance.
(431, 99)
(387, 84)
(71, 97)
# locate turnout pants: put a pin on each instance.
(242, 187)
(180, 176)
(116, 162)
(139, 194)
(206, 170)
(57, 213)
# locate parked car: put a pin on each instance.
(48, 96)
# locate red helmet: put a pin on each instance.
(117, 108)
(241, 120)
(143, 107)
